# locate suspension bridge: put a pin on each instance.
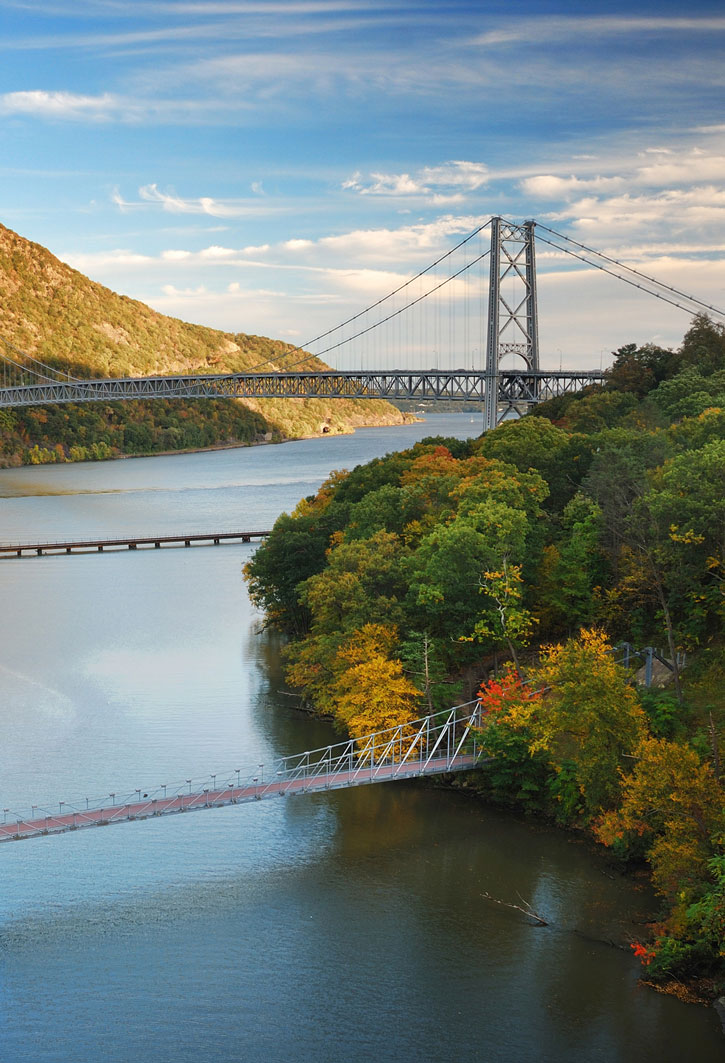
(436, 744)
(480, 295)
(442, 742)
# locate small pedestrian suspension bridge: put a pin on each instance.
(447, 741)
(471, 316)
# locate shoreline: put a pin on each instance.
(408, 419)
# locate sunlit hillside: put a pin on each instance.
(58, 315)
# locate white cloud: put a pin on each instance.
(430, 182)
(171, 203)
(216, 253)
(683, 169)
(657, 168)
(174, 204)
(405, 244)
(672, 211)
(102, 260)
(175, 256)
(550, 186)
(64, 105)
(555, 28)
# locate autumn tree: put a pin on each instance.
(673, 801)
(370, 691)
(505, 620)
(590, 717)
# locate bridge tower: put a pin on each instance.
(513, 326)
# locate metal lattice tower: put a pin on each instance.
(513, 327)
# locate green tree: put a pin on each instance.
(505, 620)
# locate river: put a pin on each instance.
(344, 926)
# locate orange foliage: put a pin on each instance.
(500, 694)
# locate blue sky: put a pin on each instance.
(271, 167)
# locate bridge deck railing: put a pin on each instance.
(441, 742)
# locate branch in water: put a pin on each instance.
(525, 908)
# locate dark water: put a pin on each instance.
(349, 926)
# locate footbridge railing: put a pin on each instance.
(442, 742)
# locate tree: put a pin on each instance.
(425, 663)
(514, 774)
(444, 572)
(506, 620)
(690, 392)
(529, 443)
(703, 345)
(672, 800)
(590, 717)
(371, 692)
(619, 480)
(362, 582)
(687, 502)
(290, 555)
(638, 370)
(571, 569)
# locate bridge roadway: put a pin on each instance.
(132, 542)
(459, 385)
(357, 775)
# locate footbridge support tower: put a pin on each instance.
(513, 326)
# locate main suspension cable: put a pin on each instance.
(630, 269)
(396, 313)
(29, 358)
(379, 302)
(626, 280)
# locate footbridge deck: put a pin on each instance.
(445, 742)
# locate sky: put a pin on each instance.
(273, 166)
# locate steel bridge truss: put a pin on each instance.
(443, 742)
(515, 387)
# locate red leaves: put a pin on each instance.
(497, 694)
(643, 954)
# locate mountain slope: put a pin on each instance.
(60, 316)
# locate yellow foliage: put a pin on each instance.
(687, 536)
(370, 691)
(674, 798)
(589, 716)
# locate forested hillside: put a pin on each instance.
(510, 565)
(57, 315)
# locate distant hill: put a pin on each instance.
(63, 318)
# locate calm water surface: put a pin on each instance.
(350, 926)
